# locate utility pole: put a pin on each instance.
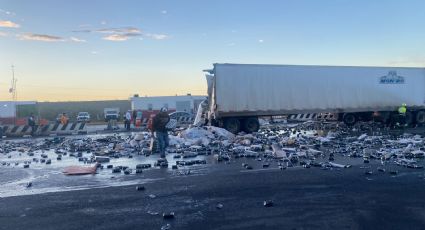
(13, 85)
(12, 90)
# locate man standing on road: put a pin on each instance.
(402, 115)
(160, 131)
(31, 123)
(127, 121)
(64, 119)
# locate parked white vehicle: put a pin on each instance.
(111, 114)
(83, 117)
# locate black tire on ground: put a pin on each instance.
(349, 118)
(251, 125)
(232, 125)
(420, 117)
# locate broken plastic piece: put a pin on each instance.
(80, 170)
(335, 165)
(166, 227)
(219, 206)
(153, 213)
(268, 203)
(168, 215)
(369, 172)
(393, 172)
(128, 171)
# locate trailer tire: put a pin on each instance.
(420, 117)
(232, 125)
(251, 125)
(349, 118)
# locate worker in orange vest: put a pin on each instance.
(64, 119)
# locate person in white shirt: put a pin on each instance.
(127, 121)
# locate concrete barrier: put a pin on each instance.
(67, 129)
(312, 116)
(44, 130)
(17, 130)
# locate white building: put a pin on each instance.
(8, 109)
(187, 103)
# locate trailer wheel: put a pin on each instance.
(251, 125)
(349, 118)
(232, 125)
(420, 118)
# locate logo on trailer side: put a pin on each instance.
(391, 78)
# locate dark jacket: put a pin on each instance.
(31, 121)
(160, 121)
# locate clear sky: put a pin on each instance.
(111, 49)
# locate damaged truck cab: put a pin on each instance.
(238, 94)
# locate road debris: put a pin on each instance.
(268, 203)
(166, 227)
(323, 145)
(152, 213)
(79, 170)
(168, 215)
(140, 188)
(219, 206)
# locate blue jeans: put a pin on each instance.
(162, 138)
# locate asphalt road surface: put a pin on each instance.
(302, 199)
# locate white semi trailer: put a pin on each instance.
(240, 93)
